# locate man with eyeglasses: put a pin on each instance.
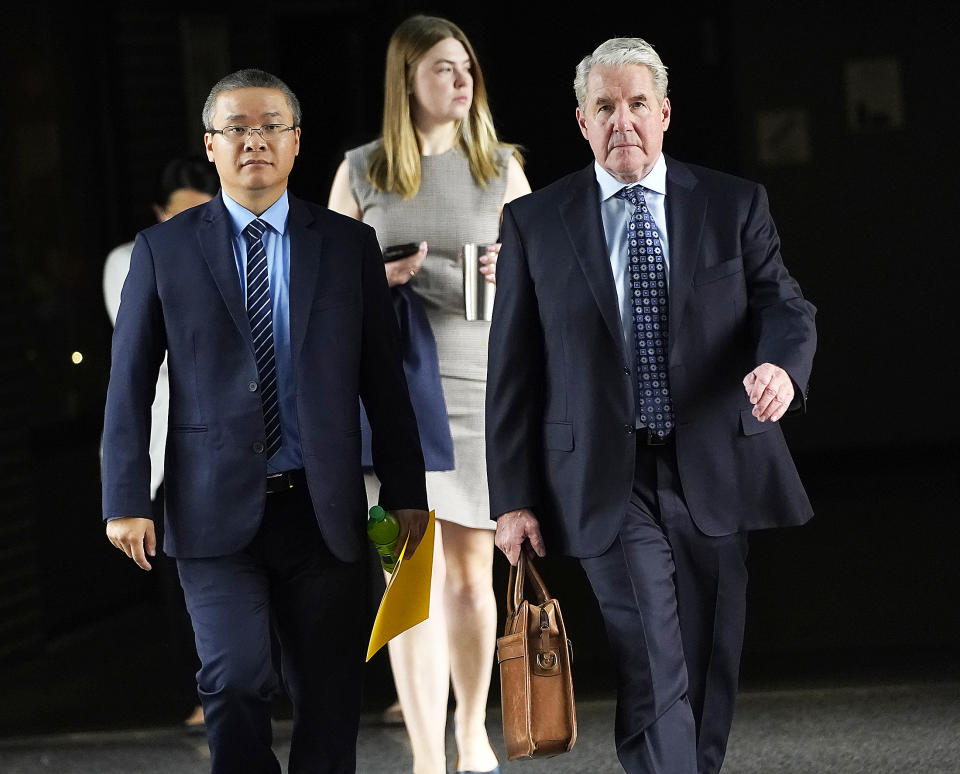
(276, 320)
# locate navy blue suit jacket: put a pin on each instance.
(183, 296)
(560, 397)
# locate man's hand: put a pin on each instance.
(133, 536)
(513, 528)
(413, 523)
(770, 390)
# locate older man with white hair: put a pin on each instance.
(646, 341)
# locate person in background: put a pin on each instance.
(646, 340)
(438, 177)
(184, 182)
(276, 319)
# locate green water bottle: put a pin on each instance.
(383, 528)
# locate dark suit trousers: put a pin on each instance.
(286, 577)
(673, 602)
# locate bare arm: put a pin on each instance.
(341, 199)
(517, 185)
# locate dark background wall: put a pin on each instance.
(861, 172)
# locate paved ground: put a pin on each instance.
(911, 728)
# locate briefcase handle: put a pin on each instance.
(524, 567)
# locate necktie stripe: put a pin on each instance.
(260, 314)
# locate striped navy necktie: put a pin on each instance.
(260, 312)
(648, 293)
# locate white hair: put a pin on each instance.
(618, 52)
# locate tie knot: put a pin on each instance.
(254, 230)
(633, 194)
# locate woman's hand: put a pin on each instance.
(489, 261)
(402, 270)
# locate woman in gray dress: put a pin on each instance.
(438, 177)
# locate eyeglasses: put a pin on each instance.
(241, 133)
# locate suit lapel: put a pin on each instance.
(686, 214)
(305, 250)
(216, 244)
(580, 214)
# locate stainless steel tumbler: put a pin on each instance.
(478, 294)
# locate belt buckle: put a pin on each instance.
(653, 439)
(277, 480)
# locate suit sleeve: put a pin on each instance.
(395, 444)
(515, 382)
(781, 319)
(139, 345)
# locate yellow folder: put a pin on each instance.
(406, 602)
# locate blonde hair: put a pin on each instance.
(395, 162)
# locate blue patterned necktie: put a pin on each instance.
(648, 292)
(260, 312)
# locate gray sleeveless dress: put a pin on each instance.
(449, 210)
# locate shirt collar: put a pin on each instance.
(655, 180)
(275, 215)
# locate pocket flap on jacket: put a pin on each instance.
(558, 436)
(718, 271)
(751, 425)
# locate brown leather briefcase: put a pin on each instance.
(536, 685)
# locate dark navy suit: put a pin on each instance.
(561, 439)
(246, 556)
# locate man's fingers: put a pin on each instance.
(536, 542)
(413, 525)
(767, 385)
(767, 397)
(778, 413)
(402, 537)
(758, 389)
(506, 541)
(776, 394)
(413, 540)
(139, 557)
(135, 552)
(150, 540)
(516, 528)
(130, 534)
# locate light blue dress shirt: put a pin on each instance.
(616, 214)
(276, 242)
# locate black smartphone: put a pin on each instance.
(395, 252)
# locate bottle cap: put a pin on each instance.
(377, 513)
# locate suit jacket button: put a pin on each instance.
(252, 386)
(629, 429)
(258, 447)
(626, 370)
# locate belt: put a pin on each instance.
(285, 481)
(646, 437)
